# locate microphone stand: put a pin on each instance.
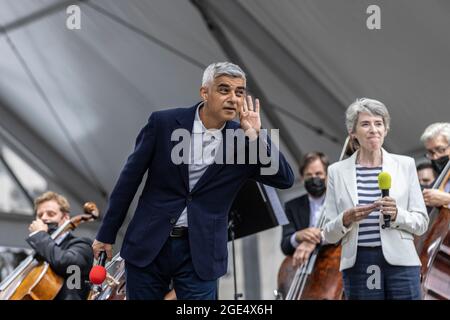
(231, 226)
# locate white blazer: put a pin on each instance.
(412, 218)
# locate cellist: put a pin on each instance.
(52, 210)
(436, 139)
(303, 212)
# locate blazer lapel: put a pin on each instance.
(185, 120)
(390, 166)
(305, 208)
(349, 176)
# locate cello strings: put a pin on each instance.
(301, 275)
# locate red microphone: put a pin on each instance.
(98, 272)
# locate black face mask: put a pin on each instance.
(315, 186)
(52, 227)
(426, 186)
(439, 164)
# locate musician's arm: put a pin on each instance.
(78, 254)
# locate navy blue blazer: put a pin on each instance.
(166, 194)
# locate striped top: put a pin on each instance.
(368, 192)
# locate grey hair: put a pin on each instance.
(218, 69)
(374, 107)
(436, 129)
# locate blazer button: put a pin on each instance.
(189, 198)
(173, 220)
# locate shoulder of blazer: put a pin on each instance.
(173, 113)
(401, 158)
(71, 240)
(343, 164)
(297, 202)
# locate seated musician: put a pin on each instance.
(303, 212)
(436, 139)
(52, 210)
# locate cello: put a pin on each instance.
(319, 277)
(34, 279)
(434, 248)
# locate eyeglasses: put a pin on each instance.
(437, 151)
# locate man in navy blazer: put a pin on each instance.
(179, 231)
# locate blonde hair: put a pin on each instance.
(64, 205)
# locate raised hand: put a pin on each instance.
(249, 117)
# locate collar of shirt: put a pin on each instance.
(316, 202)
(61, 238)
(315, 206)
(200, 128)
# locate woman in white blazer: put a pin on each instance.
(377, 262)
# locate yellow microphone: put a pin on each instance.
(384, 183)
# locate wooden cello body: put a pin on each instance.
(323, 282)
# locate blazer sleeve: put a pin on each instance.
(288, 230)
(79, 253)
(129, 180)
(334, 229)
(277, 173)
(414, 218)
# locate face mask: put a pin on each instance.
(426, 186)
(52, 227)
(315, 186)
(439, 164)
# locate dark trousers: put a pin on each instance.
(173, 263)
(373, 278)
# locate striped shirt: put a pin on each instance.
(368, 192)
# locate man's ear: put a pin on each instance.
(204, 93)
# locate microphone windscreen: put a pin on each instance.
(97, 274)
(384, 181)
